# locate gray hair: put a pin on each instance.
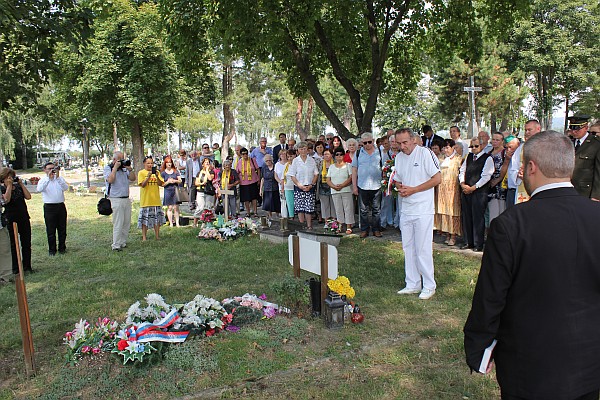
(352, 141)
(552, 152)
(302, 145)
(410, 132)
(366, 135)
(117, 155)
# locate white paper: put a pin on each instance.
(487, 356)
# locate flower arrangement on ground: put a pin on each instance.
(209, 233)
(155, 310)
(250, 308)
(228, 230)
(332, 226)
(207, 216)
(203, 315)
(87, 339)
(341, 285)
(387, 184)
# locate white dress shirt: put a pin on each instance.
(53, 190)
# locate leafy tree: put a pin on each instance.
(348, 40)
(29, 31)
(558, 47)
(125, 74)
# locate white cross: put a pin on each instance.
(226, 192)
(472, 89)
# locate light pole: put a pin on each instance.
(86, 150)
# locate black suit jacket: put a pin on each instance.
(586, 175)
(538, 294)
(276, 151)
(434, 138)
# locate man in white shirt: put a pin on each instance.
(513, 153)
(474, 177)
(417, 173)
(53, 187)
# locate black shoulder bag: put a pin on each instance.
(104, 206)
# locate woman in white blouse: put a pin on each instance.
(304, 174)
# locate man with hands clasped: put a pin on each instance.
(53, 188)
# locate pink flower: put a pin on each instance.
(95, 350)
(105, 321)
(263, 296)
(69, 335)
(86, 349)
(269, 312)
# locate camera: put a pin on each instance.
(16, 179)
(124, 163)
(154, 169)
(55, 169)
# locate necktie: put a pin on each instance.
(577, 144)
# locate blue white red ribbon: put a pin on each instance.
(148, 332)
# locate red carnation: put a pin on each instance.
(210, 332)
(122, 345)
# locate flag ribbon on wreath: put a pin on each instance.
(148, 332)
(388, 192)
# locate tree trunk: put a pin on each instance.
(347, 120)
(567, 105)
(492, 124)
(228, 118)
(308, 116)
(504, 124)
(299, 110)
(179, 141)
(137, 144)
(115, 139)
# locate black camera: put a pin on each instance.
(124, 163)
(56, 169)
(16, 179)
(154, 169)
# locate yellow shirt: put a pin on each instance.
(150, 195)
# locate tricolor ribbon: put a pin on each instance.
(148, 332)
(389, 186)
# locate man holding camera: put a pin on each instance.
(53, 187)
(117, 175)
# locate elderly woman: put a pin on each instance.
(327, 207)
(304, 174)
(205, 198)
(269, 187)
(14, 195)
(172, 179)
(352, 147)
(151, 214)
(228, 179)
(249, 174)
(448, 199)
(339, 179)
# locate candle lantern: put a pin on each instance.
(334, 311)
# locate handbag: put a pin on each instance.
(181, 195)
(209, 189)
(104, 206)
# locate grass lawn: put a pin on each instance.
(406, 348)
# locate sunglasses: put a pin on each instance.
(474, 147)
(205, 147)
(339, 154)
(367, 142)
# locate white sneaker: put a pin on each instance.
(407, 290)
(426, 294)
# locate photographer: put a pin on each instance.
(117, 176)
(53, 188)
(15, 210)
(151, 214)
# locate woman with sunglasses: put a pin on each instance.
(172, 179)
(151, 214)
(304, 174)
(249, 175)
(339, 179)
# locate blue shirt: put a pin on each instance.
(120, 187)
(259, 156)
(368, 169)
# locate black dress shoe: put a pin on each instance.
(62, 251)
(478, 249)
(466, 246)
(52, 253)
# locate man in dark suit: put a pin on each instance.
(192, 168)
(428, 137)
(538, 291)
(586, 175)
(281, 146)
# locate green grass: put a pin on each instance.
(406, 349)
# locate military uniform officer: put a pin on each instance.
(586, 175)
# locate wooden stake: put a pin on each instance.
(23, 309)
(296, 255)
(324, 273)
